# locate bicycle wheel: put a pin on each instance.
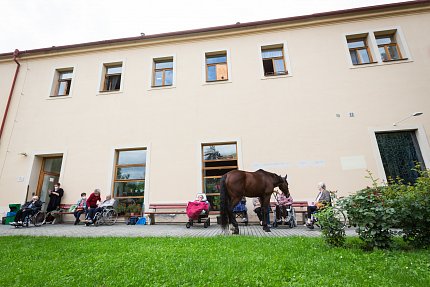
(340, 217)
(38, 218)
(110, 217)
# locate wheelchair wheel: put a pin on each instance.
(38, 219)
(97, 219)
(110, 217)
(340, 216)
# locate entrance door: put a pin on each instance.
(49, 175)
(400, 153)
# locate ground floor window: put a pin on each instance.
(400, 154)
(217, 160)
(129, 180)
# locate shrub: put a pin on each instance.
(412, 206)
(373, 214)
(332, 228)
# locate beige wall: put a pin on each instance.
(284, 125)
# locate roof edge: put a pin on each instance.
(238, 26)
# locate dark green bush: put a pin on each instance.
(412, 206)
(373, 214)
(332, 228)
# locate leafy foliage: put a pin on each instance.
(332, 229)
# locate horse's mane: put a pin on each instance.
(267, 172)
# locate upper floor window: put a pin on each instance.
(387, 46)
(359, 50)
(273, 61)
(216, 67)
(112, 77)
(63, 83)
(163, 72)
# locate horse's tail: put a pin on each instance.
(225, 202)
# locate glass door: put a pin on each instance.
(49, 175)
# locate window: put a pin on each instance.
(112, 77)
(217, 160)
(359, 50)
(388, 47)
(216, 67)
(273, 61)
(63, 83)
(129, 180)
(163, 72)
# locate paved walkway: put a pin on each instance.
(158, 230)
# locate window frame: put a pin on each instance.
(209, 55)
(204, 66)
(227, 168)
(55, 86)
(393, 42)
(365, 39)
(273, 48)
(155, 70)
(103, 74)
(116, 165)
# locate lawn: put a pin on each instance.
(215, 261)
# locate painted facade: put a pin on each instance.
(316, 122)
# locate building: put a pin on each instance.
(158, 118)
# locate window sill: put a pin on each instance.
(161, 88)
(59, 97)
(217, 82)
(275, 77)
(379, 64)
(102, 93)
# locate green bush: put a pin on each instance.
(412, 206)
(332, 228)
(373, 214)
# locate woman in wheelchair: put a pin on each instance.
(322, 200)
(109, 202)
(29, 209)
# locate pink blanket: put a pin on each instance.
(194, 208)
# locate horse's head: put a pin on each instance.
(283, 185)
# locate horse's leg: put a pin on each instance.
(265, 208)
(234, 201)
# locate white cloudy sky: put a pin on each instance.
(32, 24)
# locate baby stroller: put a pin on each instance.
(240, 211)
(198, 210)
(284, 212)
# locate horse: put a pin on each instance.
(238, 183)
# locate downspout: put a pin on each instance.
(15, 55)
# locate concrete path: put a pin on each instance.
(158, 230)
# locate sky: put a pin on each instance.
(33, 24)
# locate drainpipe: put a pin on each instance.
(15, 55)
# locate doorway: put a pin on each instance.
(49, 175)
(400, 152)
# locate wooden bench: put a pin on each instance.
(64, 209)
(300, 207)
(165, 208)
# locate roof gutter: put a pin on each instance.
(18, 65)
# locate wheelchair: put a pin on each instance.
(337, 214)
(108, 216)
(36, 217)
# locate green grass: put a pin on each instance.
(216, 261)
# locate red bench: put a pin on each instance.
(165, 208)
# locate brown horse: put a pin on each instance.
(237, 183)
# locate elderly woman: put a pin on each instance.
(323, 199)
